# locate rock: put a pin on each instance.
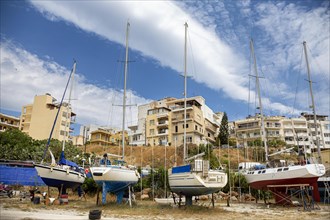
(222, 194)
(146, 190)
(143, 196)
(56, 202)
(204, 197)
(233, 198)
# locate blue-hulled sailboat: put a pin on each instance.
(116, 178)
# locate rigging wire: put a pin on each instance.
(297, 84)
(194, 72)
(323, 77)
(117, 80)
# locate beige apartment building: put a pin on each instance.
(8, 122)
(38, 118)
(102, 137)
(163, 123)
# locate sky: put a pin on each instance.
(41, 39)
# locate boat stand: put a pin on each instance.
(188, 200)
(212, 200)
(173, 196)
(284, 193)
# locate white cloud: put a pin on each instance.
(285, 27)
(24, 75)
(157, 31)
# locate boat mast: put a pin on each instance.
(313, 105)
(185, 95)
(263, 131)
(58, 111)
(68, 106)
(124, 98)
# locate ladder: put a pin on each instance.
(326, 192)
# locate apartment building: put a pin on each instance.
(294, 131)
(162, 122)
(38, 118)
(8, 122)
(137, 133)
(102, 137)
(323, 129)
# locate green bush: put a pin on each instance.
(89, 186)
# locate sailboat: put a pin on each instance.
(195, 178)
(116, 178)
(277, 175)
(64, 174)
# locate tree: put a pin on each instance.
(16, 145)
(224, 132)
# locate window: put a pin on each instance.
(152, 122)
(152, 132)
(176, 128)
(196, 128)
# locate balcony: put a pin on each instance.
(162, 115)
(181, 108)
(210, 128)
(162, 124)
(161, 133)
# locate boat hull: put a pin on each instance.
(306, 174)
(114, 178)
(170, 201)
(59, 177)
(286, 176)
(192, 184)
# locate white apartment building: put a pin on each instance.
(137, 133)
(294, 131)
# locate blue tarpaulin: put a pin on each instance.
(25, 176)
(64, 161)
(181, 169)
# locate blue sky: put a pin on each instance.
(40, 39)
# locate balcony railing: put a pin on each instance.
(162, 115)
(163, 123)
(163, 133)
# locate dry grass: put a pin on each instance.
(151, 210)
(137, 155)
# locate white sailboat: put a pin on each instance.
(116, 178)
(64, 174)
(196, 178)
(281, 174)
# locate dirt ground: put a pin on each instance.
(24, 209)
